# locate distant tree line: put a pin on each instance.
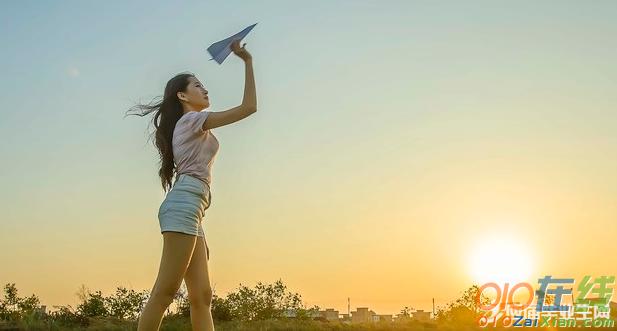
(245, 304)
(262, 302)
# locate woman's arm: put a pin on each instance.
(249, 100)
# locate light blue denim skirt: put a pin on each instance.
(184, 206)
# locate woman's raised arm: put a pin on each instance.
(249, 100)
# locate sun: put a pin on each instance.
(500, 259)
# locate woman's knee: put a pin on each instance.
(163, 296)
(202, 297)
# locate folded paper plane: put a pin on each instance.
(221, 49)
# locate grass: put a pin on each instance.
(183, 324)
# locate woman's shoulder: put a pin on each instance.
(192, 122)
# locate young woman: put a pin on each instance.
(187, 147)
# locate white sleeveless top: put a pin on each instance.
(194, 149)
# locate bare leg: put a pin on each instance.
(197, 281)
(177, 252)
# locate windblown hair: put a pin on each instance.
(167, 112)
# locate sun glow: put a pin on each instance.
(500, 259)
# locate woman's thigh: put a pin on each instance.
(197, 276)
(177, 251)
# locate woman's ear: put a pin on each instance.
(181, 96)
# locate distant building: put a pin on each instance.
(292, 313)
(329, 314)
(386, 318)
(421, 315)
(362, 315)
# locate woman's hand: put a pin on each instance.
(240, 51)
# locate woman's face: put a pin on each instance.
(196, 94)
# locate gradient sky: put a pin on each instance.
(392, 141)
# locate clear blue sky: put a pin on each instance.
(372, 117)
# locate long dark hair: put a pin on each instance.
(167, 113)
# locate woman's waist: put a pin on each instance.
(189, 179)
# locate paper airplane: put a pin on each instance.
(221, 49)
